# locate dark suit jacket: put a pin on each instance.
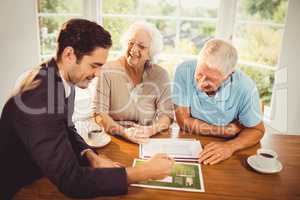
(38, 139)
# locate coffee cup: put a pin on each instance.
(267, 158)
(95, 135)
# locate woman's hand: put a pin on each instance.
(147, 131)
(136, 135)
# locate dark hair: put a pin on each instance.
(84, 36)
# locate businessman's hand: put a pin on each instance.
(159, 166)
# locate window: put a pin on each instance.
(185, 26)
(258, 34)
(52, 14)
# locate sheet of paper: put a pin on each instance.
(186, 149)
(184, 177)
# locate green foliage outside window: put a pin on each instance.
(119, 6)
(264, 79)
(266, 10)
(49, 25)
(260, 43)
(60, 6)
(116, 27)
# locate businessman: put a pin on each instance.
(38, 137)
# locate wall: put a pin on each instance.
(19, 43)
(285, 114)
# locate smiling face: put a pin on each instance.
(138, 51)
(81, 73)
(209, 79)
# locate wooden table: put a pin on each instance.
(231, 179)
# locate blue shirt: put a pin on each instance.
(237, 98)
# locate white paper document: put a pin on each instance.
(179, 149)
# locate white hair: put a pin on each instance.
(219, 53)
(156, 38)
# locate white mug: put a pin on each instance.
(266, 158)
(95, 135)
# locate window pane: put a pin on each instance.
(263, 10)
(193, 35)
(264, 79)
(116, 26)
(49, 28)
(113, 55)
(119, 6)
(169, 62)
(158, 7)
(199, 8)
(50, 25)
(168, 30)
(60, 6)
(258, 43)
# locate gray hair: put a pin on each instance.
(156, 38)
(219, 53)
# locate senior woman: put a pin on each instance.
(133, 97)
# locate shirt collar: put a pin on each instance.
(66, 85)
(224, 91)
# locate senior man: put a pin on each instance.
(212, 97)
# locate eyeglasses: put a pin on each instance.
(138, 44)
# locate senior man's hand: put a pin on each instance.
(215, 152)
(232, 129)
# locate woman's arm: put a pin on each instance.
(162, 123)
(109, 124)
(114, 128)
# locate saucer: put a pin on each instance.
(101, 140)
(252, 161)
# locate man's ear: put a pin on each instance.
(68, 55)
